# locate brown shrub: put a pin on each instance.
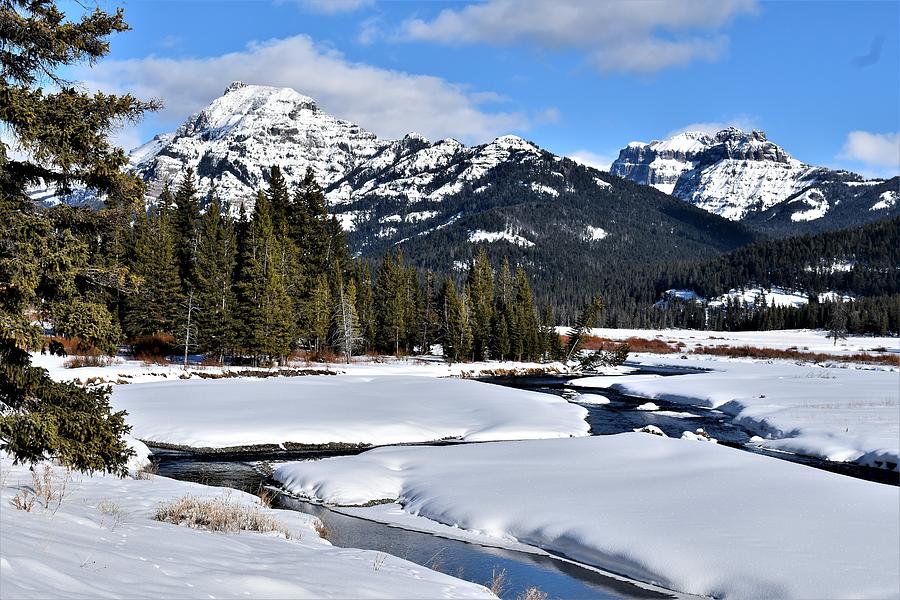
(154, 348)
(794, 354)
(88, 360)
(636, 344)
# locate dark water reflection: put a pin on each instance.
(472, 562)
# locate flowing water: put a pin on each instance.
(472, 562)
(557, 577)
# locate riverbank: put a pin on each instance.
(98, 538)
(687, 515)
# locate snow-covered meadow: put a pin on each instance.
(690, 516)
(103, 542)
(347, 409)
(686, 515)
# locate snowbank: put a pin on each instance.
(346, 409)
(841, 414)
(590, 399)
(104, 543)
(689, 516)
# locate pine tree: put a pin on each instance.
(430, 322)
(287, 261)
(526, 320)
(456, 330)
(185, 219)
(263, 302)
(390, 304)
(501, 337)
(215, 294)
(481, 293)
(365, 307)
(505, 286)
(307, 226)
(837, 325)
(154, 307)
(551, 346)
(64, 135)
(279, 200)
(319, 314)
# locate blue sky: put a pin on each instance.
(577, 77)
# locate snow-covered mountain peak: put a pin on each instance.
(243, 102)
(233, 142)
(234, 85)
(744, 175)
(513, 143)
(730, 173)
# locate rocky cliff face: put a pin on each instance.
(733, 174)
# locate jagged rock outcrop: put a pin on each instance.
(740, 175)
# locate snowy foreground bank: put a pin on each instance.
(841, 414)
(343, 409)
(689, 516)
(103, 542)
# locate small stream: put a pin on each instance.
(469, 561)
(473, 562)
(621, 415)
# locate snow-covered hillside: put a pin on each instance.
(232, 143)
(735, 174)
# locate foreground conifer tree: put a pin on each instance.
(63, 135)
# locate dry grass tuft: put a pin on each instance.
(321, 529)
(113, 515)
(892, 360)
(45, 488)
(219, 514)
(498, 581)
(533, 593)
(147, 471)
(89, 360)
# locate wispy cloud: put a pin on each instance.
(592, 159)
(388, 102)
(876, 153)
(332, 7)
(640, 36)
(743, 122)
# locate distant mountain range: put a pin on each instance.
(744, 176)
(577, 229)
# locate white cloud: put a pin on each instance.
(587, 158)
(879, 152)
(743, 123)
(550, 114)
(369, 31)
(331, 7)
(639, 36)
(390, 103)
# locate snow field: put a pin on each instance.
(686, 515)
(103, 542)
(343, 409)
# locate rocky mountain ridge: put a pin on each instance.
(745, 176)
